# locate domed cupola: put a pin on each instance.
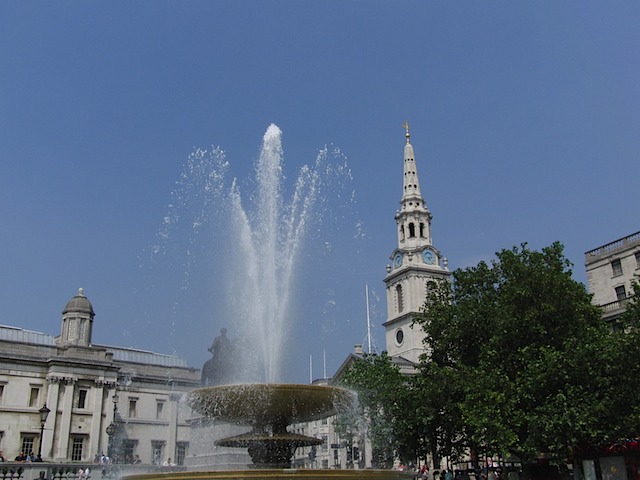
(79, 304)
(77, 321)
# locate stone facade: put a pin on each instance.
(611, 268)
(87, 387)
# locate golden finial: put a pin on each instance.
(406, 127)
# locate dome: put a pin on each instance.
(79, 303)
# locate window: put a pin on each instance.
(399, 337)
(76, 448)
(616, 267)
(621, 292)
(325, 443)
(325, 464)
(82, 397)
(399, 298)
(34, 395)
(133, 404)
(412, 230)
(27, 443)
(402, 233)
(129, 449)
(181, 452)
(421, 230)
(1, 392)
(637, 259)
(159, 408)
(157, 448)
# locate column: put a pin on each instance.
(50, 426)
(173, 426)
(96, 432)
(65, 422)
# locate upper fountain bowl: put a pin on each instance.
(265, 404)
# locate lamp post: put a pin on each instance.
(44, 413)
(113, 429)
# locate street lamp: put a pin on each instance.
(113, 429)
(44, 413)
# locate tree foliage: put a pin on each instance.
(533, 367)
(518, 361)
(382, 404)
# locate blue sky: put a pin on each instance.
(524, 118)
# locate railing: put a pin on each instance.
(70, 471)
(615, 245)
(11, 472)
(614, 306)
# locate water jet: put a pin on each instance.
(269, 408)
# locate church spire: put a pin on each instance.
(411, 196)
(415, 262)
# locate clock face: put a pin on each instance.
(428, 257)
(397, 260)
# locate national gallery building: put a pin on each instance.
(69, 399)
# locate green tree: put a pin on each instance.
(383, 407)
(623, 383)
(526, 353)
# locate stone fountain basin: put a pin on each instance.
(261, 405)
(278, 474)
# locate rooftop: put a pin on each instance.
(612, 247)
(121, 354)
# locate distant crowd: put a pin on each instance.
(30, 457)
(477, 474)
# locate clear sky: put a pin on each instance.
(524, 119)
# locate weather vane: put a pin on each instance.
(406, 127)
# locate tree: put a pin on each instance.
(623, 383)
(526, 352)
(383, 406)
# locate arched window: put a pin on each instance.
(421, 230)
(412, 230)
(402, 233)
(399, 298)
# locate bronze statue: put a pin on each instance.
(216, 370)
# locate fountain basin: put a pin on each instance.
(269, 403)
(278, 474)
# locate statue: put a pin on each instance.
(216, 370)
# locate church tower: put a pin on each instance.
(414, 263)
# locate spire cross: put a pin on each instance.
(406, 127)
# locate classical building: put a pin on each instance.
(121, 402)
(415, 262)
(611, 269)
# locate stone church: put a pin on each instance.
(415, 262)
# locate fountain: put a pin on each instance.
(269, 409)
(266, 407)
